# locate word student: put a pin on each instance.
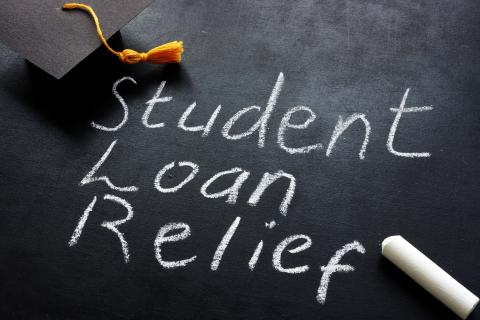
(260, 127)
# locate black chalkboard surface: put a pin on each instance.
(157, 240)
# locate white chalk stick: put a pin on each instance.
(429, 275)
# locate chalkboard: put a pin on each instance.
(326, 124)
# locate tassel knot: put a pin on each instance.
(130, 56)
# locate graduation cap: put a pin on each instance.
(56, 40)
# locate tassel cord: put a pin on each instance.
(167, 53)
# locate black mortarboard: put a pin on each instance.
(56, 40)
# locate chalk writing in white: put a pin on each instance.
(151, 103)
(205, 128)
(162, 238)
(229, 124)
(169, 166)
(232, 191)
(341, 126)
(255, 256)
(81, 223)
(90, 177)
(393, 128)
(262, 124)
(277, 253)
(333, 267)
(122, 102)
(285, 124)
(266, 181)
(217, 256)
(110, 225)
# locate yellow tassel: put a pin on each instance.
(166, 53)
